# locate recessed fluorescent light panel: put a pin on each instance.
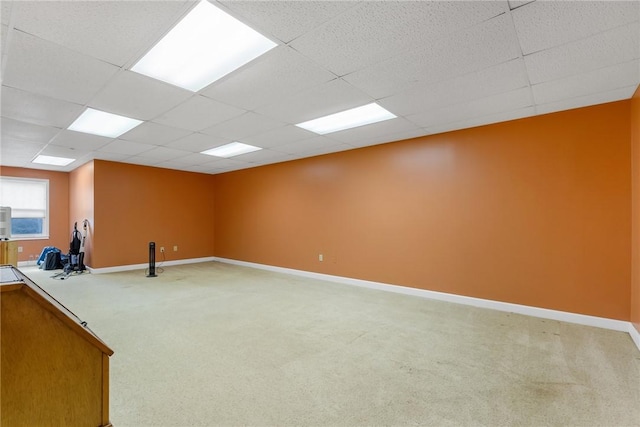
(232, 149)
(205, 46)
(104, 124)
(50, 160)
(359, 116)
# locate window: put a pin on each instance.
(29, 203)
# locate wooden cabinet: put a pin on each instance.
(9, 252)
(55, 370)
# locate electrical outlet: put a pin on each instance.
(20, 249)
(175, 248)
(161, 249)
(320, 257)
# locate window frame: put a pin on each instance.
(47, 214)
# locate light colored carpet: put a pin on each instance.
(214, 344)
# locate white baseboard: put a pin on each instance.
(130, 267)
(635, 335)
(27, 263)
(563, 316)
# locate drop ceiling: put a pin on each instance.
(437, 65)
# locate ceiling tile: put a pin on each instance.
(4, 33)
(484, 45)
(375, 31)
(286, 20)
(484, 120)
(134, 95)
(27, 131)
(243, 126)
(489, 81)
(503, 102)
(513, 4)
(14, 152)
(113, 31)
(198, 113)
(306, 146)
(79, 140)
(103, 155)
(37, 109)
(265, 156)
(131, 148)
(327, 98)
(392, 137)
(375, 130)
(583, 101)
(191, 159)
(600, 80)
(164, 153)
(545, 24)
(48, 69)
(197, 142)
(609, 48)
(6, 8)
(154, 134)
(280, 73)
(279, 136)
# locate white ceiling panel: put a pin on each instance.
(279, 136)
(262, 156)
(4, 32)
(503, 102)
(14, 152)
(154, 133)
(600, 80)
(113, 31)
(197, 113)
(375, 31)
(37, 109)
(134, 95)
(165, 153)
(612, 47)
(80, 141)
(309, 145)
(26, 131)
(545, 24)
(379, 139)
(281, 73)
(514, 4)
(484, 45)
(327, 98)
(6, 8)
(103, 155)
(489, 81)
(484, 120)
(42, 67)
(191, 160)
(243, 126)
(197, 142)
(587, 100)
(286, 20)
(376, 130)
(130, 148)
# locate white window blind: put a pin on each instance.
(27, 198)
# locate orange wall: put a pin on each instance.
(635, 235)
(81, 202)
(59, 226)
(134, 205)
(534, 211)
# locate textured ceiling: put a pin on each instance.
(437, 65)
